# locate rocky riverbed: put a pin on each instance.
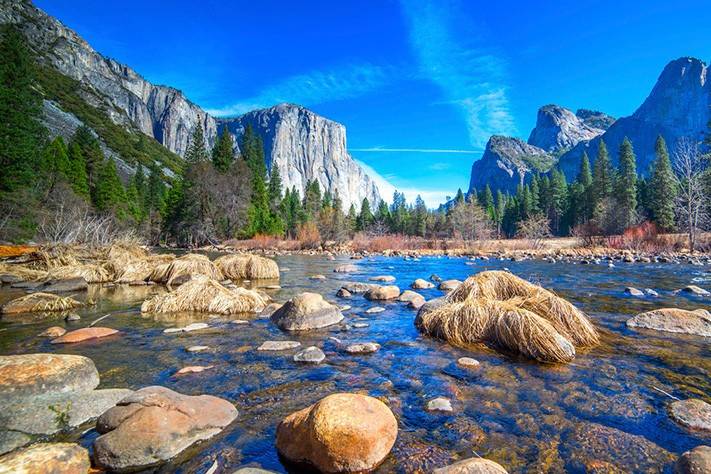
(612, 409)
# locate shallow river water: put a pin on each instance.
(607, 409)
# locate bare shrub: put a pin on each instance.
(470, 221)
(535, 229)
(692, 206)
(308, 235)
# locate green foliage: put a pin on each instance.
(108, 192)
(603, 174)
(78, 178)
(626, 185)
(662, 188)
(365, 218)
(222, 152)
(61, 415)
(197, 150)
(275, 185)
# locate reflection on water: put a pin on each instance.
(603, 410)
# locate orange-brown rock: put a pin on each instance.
(84, 334)
(343, 432)
(37, 374)
(47, 458)
(155, 424)
(54, 331)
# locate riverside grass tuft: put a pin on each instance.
(505, 311)
(250, 267)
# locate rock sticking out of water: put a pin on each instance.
(695, 290)
(375, 309)
(389, 292)
(312, 355)
(54, 331)
(343, 432)
(306, 311)
(154, 424)
(697, 322)
(47, 458)
(383, 278)
(197, 348)
(449, 285)
(188, 328)
(193, 369)
(421, 284)
(84, 334)
(362, 348)
(634, 291)
(346, 268)
(440, 404)
(695, 461)
(468, 362)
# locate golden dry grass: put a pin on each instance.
(22, 272)
(503, 310)
(187, 265)
(92, 273)
(204, 295)
(250, 267)
(37, 302)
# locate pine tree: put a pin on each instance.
(365, 218)
(626, 192)
(91, 152)
(55, 163)
(584, 195)
(382, 215)
(558, 200)
(663, 189)
(108, 191)
(459, 198)
(420, 217)
(603, 175)
(500, 209)
(535, 195)
(275, 185)
(222, 152)
(197, 150)
(79, 179)
(21, 130)
(154, 198)
(351, 219)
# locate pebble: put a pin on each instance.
(363, 348)
(197, 348)
(375, 309)
(311, 354)
(72, 317)
(440, 404)
(633, 291)
(278, 345)
(193, 369)
(468, 362)
(239, 321)
(317, 277)
(360, 325)
(188, 328)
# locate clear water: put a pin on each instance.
(605, 408)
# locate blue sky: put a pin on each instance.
(419, 85)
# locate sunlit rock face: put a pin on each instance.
(557, 128)
(306, 146)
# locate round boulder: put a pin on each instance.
(421, 284)
(343, 432)
(389, 292)
(306, 311)
(155, 424)
(47, 458)
(449, 285)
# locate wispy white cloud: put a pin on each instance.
(433, 198)
(315, 87)
(470, 75)
(413, 150)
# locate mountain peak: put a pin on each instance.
(558, 128)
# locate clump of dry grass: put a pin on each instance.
(503, 310)
(204, 295)
(22, 272)
(90, 272)
(139, 271)
(251, 267)
(37, 302)
(187, 265)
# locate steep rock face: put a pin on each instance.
(306, 146)
(508, 162)
(678, 106)
(158, 111)
(595, 119)
(557, 129)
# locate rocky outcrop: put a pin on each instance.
(595, 119)
(557, 129)
(305, 146)
(158, 111)
(506, 163)
(678, 106)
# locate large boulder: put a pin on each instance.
(343, 432)
(155, 424)
(472, 466)
(47, 458)
(30, 375)
(695, 461)
(696, 322)
(693, 414)
(306, 311)
(388, 292)
(421, 284)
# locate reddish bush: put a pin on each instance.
(308, 235)
(643, 237)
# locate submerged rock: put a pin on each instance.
(306, 311)
(278, 345)
(695, 461)
(389, 292)
(63, 286)
(343, 432)
(154, 424)
(54, 331)
(472, 466)
(47, 458)
(697, 322)
(375, 309)
(84, 334)
(693, 414)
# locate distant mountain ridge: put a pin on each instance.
(119, 93)
(678, 106)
